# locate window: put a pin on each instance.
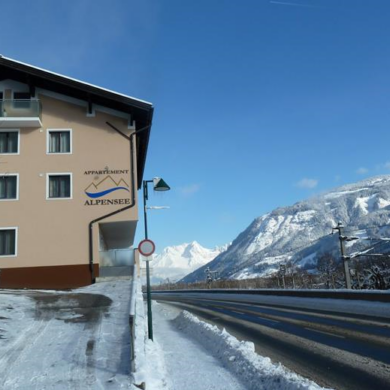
(8, 238)
(9, 141)
(59, 141)
(22, 100)
(1, 104)
(22, 96)
(8, 187)
(59, 186)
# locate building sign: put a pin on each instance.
(106, 185)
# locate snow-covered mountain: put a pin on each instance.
(302, 232)
(177, 261)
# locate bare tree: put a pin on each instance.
(327, 267)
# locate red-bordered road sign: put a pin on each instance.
(146, 247)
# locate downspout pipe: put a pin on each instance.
(130, 138)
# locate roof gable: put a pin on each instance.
(141, 111)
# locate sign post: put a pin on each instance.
(146, 248)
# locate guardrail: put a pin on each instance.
(375, 296)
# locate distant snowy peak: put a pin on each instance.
(175, 262)
(185, 256)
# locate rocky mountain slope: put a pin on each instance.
(302, 232)
(177, 261)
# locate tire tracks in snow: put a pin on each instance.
(19, 349)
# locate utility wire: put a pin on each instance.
(350, 229)
(363, 252)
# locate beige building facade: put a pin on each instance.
(72, 157)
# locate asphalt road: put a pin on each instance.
(335, 350)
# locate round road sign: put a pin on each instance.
(146, 247)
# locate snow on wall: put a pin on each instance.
(255, 371)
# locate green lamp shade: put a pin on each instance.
(160, 185)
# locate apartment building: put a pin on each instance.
(72, 157)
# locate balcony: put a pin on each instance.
(20, 113)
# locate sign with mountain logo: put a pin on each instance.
(99, 190)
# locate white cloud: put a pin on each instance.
(362, 171)
(190, 189)
(383, 167)
(293, 4)
(307, 183)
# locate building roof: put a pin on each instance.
(141, 111)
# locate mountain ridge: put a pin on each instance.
(302, 232)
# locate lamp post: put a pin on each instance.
(158, 185)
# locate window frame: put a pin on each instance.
(12, 131)
(16, 240)
(48, 131)
(2, 174)
(48, 175)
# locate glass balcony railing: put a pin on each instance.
(15, 108)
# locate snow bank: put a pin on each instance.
(257, 372)
(149, 361)
(139, 336)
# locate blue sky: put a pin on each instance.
(258, 104)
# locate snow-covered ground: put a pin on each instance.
(200, 356)
(80, 339)
(65, 340)
(189, 365)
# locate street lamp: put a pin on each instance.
(158, 185)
